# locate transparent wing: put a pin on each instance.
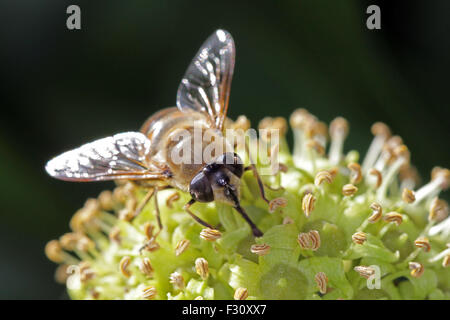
(206, 84)
(122, 156)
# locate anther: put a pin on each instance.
(377, 212)
(202, 268)
(146, 267)
(309, 241)
(349, 190)
(123, 266)
(308, 203)
(359, 237)
(365, 271)
(260, 249)
(114, 234)
(355, 173)
(54, 252)
(424, 243)
(408, 196)
(210, 234)
(395, 217)
(438, 210)
(106, 200)
(322, 176)
(181, 246)
(171, 199)
(177, 280)
(416, 268)
(149, 293)
(241, 294)
(322, 281)
(277, 203)
(378, 176)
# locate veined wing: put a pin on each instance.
(206, 84)
(122, 156)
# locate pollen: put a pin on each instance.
(209, 234)
(321, 281)
(202, 268)
(308, 203)
(260, 249)
(349, 190)
(240, 294)
(181, 246)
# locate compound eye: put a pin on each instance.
(233, 163)
(200, 188)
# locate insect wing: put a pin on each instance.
(122, 156)
(206, 84)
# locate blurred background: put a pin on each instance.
(62, 88)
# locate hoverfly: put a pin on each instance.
(144, 157)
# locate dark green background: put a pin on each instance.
(62, 88)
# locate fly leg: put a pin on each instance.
(202, 222)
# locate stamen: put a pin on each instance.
(338, 132)
(409, 177)
(446, 261)
(378, 176)
(123, 266)
(202, 268)
(260, 249)
(241, 294)
(86, 272)
(322, 281)
(309, 241)
(395, 217)
(171, 199)
(377, 212)
(424, 243)
(381, 133)
(106, 200)
(146, 267)
(54, 252)
(61, 274)
(322, 176)
(408, 196)
(182, 245)
(69, 241)
(308, 204)
(151, 245)
(349, 190)
(417, 269)
(316, 146)
(442, 228)
(210, 234)
(148, 230)
(355, 173)
(277, 203)
(278, 123)
(177, 280)
(114, 234)
(365, 271)
(149, 293)
(359, 237)
(439, 181)
(126, 214)
(438, 210)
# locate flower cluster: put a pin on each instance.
(335, 224)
